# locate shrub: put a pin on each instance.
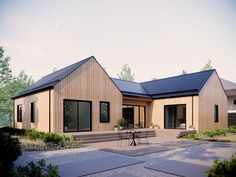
(224, 168)
(121, 122)
(38, 169)
(10, 150)
(13, 131)
(52, 138)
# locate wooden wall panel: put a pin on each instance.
(41, 111)
(212, 94)
(157, 115)
(91, 83)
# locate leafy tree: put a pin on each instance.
(207, 66)
(9, 87)
(184, 72)
(154, 78)
(126, 73)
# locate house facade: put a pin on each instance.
(230, 88)
(82, 97)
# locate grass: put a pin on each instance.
(35, 140)
(220, 135)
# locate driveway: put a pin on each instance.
(190, 160)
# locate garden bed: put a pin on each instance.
(220, 135)
(40, 141)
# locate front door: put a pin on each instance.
(77, 116)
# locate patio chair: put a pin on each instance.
(122, 137)
(144, 137)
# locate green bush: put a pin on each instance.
(10, 150)
(38, 169)
(52, 138)
(226, 168)
(13, 131)
(121, 122)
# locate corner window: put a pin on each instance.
(234, 102)
(104, 112)
(19, 113)
(216, 113)
(32, 112)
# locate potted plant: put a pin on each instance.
(116, 127)
(152, 125)
(121, 123)
(191, 127)
(156, 126)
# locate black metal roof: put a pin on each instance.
(50, 80)
(182, 85)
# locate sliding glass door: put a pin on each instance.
(77, 116)
(175, 116)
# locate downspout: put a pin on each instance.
(49, 110)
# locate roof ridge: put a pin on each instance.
(84, 60)
(178, 76)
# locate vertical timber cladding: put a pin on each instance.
(192, 113)
(212, 94)
(41, 100)
(89, 83)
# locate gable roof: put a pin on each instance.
(182, 85)
(228, 85)
(52, 79)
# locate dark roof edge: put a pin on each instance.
(175, 96)
(179, 92)
(178, 76)
(53, 84)
(33, 92)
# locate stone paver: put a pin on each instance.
(202, 154)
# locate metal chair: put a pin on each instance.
(122, 137)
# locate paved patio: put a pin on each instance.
(178, 158)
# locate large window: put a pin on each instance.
(104, 112)
(77, 116)
(175, 116)
(234, 102)
(216, 113)
(19, 113)
(32, 112)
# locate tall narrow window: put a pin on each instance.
(104, 112)
(32, 112)
(234, 102)
(216, 113)
(19, 113)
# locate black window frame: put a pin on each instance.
(216, 113)
(19, 112)
(108, 112)
(234, 102)
(32, 112)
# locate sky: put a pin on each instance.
(156, 38)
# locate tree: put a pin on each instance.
(126, 73)
(207, 66)
(9, 87)
(184, 72)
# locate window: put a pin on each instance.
(104, 112)
(32, 112)
(216, 113)
(234, 102)
(19, 113)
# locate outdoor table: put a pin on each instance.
(133, 143)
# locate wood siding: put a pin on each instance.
(41, 111)
(192, 110)
(212, 94)
(90, 83)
